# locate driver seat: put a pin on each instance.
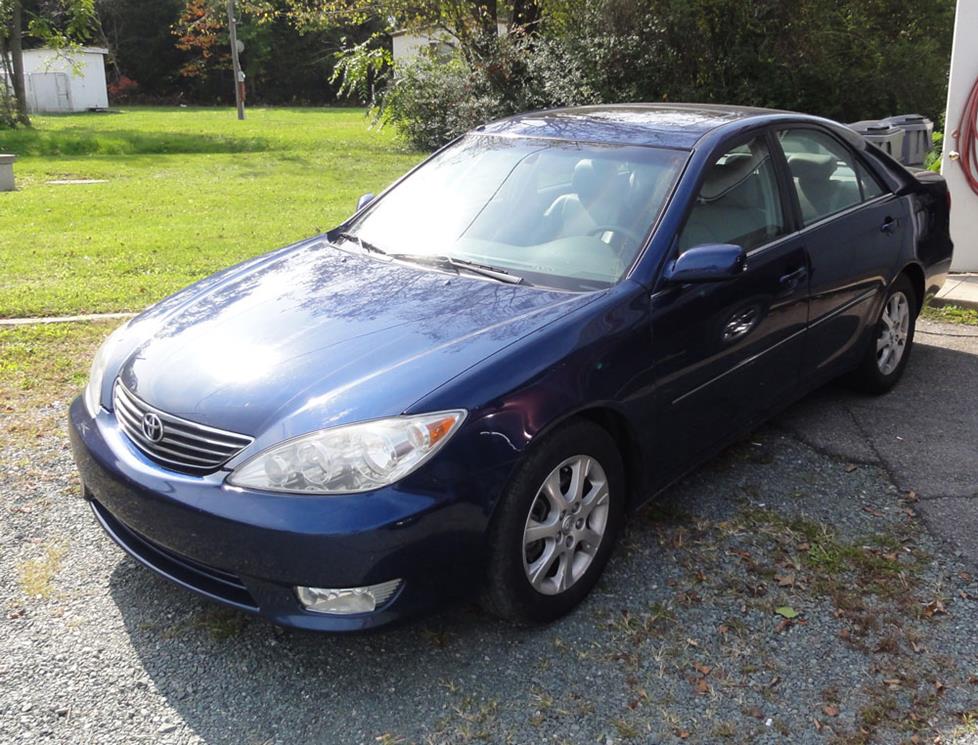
(591, 202)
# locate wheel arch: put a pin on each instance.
(915, 274)
(616, 424)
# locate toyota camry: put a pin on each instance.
(467, 387)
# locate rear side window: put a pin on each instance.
(826, 176)
(739, 201)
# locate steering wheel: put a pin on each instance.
(618, 230)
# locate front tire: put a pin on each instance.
(888, 350)
(556, 525)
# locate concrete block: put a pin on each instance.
(7, 172)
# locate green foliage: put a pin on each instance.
(359, 68)
(432, 100)
(933, 160)
(845, 59)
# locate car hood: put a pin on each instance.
(316, 336)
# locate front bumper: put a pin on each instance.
(249, 549)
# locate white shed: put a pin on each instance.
(59, 80)
(408, 44)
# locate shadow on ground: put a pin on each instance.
(129, 142)
(787, 590)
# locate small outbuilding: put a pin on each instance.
(406, 45)
(65, 80)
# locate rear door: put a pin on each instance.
(729, 352)
(851, 227)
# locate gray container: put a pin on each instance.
(918, 134)
(884, 135)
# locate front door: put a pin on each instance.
(729, 352)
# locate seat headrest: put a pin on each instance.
(726, 176)
(812, 166)
(590, 176)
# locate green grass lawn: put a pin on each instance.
(188, 191)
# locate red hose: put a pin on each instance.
(967, 139)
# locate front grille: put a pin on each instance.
(215, 583)
(183, 445)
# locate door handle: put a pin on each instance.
(888, 226)
(792, 279)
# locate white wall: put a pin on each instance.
(66, 81)
(964, 202)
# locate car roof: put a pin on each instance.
(650, 124)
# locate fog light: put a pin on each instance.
(347, 600)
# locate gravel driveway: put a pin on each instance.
(816, 583)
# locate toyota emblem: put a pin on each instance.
(152, 427)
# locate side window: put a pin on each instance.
(824, 173)
(871, 187)
(739, 201)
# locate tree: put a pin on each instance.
(61, 24)
(13, 61)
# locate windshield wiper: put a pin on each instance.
(365, 245)
(492, 272)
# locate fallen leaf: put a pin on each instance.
(850, 467)
(872, 511)
(723, 629)
(785, 580)
(702, 687)
(818, 724)
(682, 734)
(786, 611)
(783, 625)
(830, 710)
(704, 669)
(804, 546)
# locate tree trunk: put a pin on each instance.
(17, 60)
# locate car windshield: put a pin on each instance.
(562, 214)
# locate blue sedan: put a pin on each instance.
(468, 386)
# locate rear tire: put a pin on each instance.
(888, 348)
(556, 525)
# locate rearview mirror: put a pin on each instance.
(711, 262)
(364, 200)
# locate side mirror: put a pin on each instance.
(364, 200)
(711, 262)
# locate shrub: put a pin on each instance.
(433, 99)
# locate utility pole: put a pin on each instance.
(238, 75)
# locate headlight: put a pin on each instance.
(350, 459)
(93, 391)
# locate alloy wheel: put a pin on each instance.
(565, 526)
(894, 329)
